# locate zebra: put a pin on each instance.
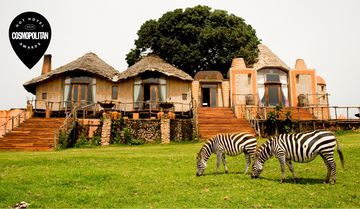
(302, 148)
(231, 144)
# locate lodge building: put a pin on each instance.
(151, 81)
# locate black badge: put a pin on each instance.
(30, 35)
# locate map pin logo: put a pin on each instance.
(30, 35)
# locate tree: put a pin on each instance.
(197, 39)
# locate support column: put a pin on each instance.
(106, 130)
(165, 128)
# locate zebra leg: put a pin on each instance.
(289, 164)
(330, 165)
(333, 166)
(282, 165)
(224, 162)
(328, 169)
(248, 162)
(218, 155)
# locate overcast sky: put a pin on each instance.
(325, 34)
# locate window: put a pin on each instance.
(273, 87)
(44, 96)
(184, 97)
(82, 79)
(114, 93)
(272, 76)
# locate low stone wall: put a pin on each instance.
(146, 129)
(268, 129)
(181, 130)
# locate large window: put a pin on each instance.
(273, 87)
(79, 90)
(149, 87)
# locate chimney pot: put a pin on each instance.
(47, 64)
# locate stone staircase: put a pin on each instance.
(214, 120)
(36, 134)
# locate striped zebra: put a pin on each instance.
(231, 144)
(302, 148)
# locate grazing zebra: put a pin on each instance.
(231, 144)
(302, 148)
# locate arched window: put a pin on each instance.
(273, 87)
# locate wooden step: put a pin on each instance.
(36, 134)
(213, 121)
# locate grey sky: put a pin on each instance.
(323, 33)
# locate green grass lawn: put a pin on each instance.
(164, 176)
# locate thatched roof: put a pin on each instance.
(267, 58)
(89, 63)
(153, 63)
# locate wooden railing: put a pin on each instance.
(253, 121)
(326, 112)
(14, 122)
(120, 106)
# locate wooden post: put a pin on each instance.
(12, 123)
(55, 145)
(314, 126)
(335, 114)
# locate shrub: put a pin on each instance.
(63, 140)
(81, 141)
(96, 140)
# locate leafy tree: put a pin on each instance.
(196, 39)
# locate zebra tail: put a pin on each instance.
(339, 150)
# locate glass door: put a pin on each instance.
(213, 100)
(209, 97)
(79, 95)
(154, 95)
(273, 95)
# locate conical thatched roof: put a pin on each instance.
(267, 58)
(89, 63)
(153, 63)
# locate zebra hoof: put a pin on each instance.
(226, 171)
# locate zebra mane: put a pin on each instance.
(262, 145)
(198, 155)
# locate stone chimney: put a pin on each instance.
(238, 63)
(47, 64)
(300, 64)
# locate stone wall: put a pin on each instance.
(181, 130)
(146, 129)
(268, 130)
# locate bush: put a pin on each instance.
(63, 140)
(96, 140)
(82, 140)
